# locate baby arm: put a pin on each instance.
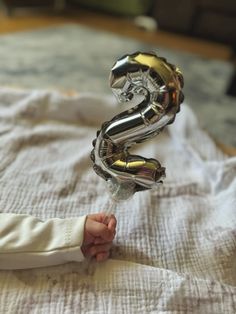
(27, 242)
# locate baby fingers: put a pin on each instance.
(102, 241)
(102, 248)
(112, 223)
(100, 257)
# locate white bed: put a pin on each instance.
(175, 249)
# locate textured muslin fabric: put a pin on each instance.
(175, 248)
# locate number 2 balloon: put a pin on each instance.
(155, 86)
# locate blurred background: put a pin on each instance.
(72, 44)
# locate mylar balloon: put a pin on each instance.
(155, 86)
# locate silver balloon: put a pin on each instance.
(155, 86)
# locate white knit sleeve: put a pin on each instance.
(27, 242)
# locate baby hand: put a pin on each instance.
(99, 233)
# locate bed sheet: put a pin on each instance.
(175, 249)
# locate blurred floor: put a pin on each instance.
(23, 20)
(31, 19)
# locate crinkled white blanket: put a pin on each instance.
(175, 249)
